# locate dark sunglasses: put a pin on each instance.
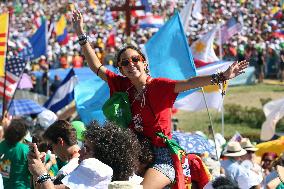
(132, 59)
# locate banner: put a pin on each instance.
(4, 23)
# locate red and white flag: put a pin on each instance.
(230, 28)
(14, 69)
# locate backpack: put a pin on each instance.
(117, 109)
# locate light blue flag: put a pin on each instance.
(89, 101)
(169, 54)
(90, 96)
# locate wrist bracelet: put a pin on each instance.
(218, 78)
(82, 36)
(43, 178)
(83, 39)
(99, 69)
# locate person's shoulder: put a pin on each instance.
(22, 146)
(162, 80)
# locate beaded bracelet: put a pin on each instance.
(83, 39)
(220, 80)
(43, 178)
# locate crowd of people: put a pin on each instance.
(260, 40)
(62, 154)
(65, 155)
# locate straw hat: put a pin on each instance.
(124, 185)
(234, 149)
(280, 171)
(247, 145)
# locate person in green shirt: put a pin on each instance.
(13, 156)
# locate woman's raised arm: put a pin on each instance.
(90, 55)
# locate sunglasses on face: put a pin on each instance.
(133, 59)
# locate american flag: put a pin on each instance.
(14, 69)
(230, 28)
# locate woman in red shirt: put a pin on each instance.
(151, 99)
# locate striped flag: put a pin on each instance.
(61, 31)
(14, 69)
(150, 21)
(230, 28)
(4, 22)
(64, 93)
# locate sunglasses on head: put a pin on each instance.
(133, 59)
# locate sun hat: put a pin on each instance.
(234, 149)
(280, 171)
(80, 128)
(46, 118)
(124, 185)
(90, 174)
(247, 145)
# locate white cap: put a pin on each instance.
(46, 118)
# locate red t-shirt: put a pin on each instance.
(152, 113)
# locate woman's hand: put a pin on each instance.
(236, 69)
(78, 23)
(36, 167)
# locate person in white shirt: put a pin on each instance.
(248, 160)
(233, 170)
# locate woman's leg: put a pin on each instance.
(154, 179)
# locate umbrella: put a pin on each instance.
(276, 146)
(25, 82)
(193, 143)
(24, 107)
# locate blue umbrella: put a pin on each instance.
(21, 107)
(193, 143)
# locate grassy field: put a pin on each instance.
(246, 96)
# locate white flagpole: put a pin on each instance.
(211, 128)
(221, 57)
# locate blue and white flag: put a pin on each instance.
(37, 45)
(64, 94)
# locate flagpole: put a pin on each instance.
(222, 106)
(220, 43)
(211, 128)
(4, 105)
(16, 88)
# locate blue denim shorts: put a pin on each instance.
(164, 163)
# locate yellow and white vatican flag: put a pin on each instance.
(195, 101)
(203, 50)
(4, 24)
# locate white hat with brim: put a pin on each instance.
(247, 145)
(90, 174)
(234, 149)
(280, 171)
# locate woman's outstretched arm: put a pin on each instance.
(234, 70)
(90, 55)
